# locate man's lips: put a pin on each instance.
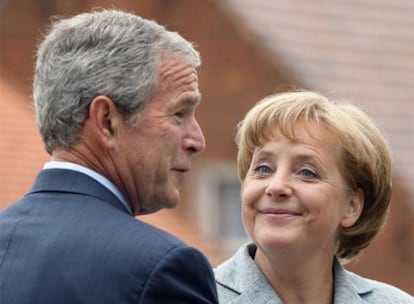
(182, 170)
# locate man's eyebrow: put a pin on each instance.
(192, 101)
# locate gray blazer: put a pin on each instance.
(239, 280)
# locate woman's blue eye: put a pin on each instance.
(308, 173)
(263, 169)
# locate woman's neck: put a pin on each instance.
(297, 279)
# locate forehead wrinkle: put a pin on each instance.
(178, 71)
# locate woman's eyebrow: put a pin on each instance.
(263, 153)
(311, 157)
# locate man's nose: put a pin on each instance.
(195, 141)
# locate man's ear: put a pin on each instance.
(354, 208)
(104, 117)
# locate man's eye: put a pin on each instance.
(180, 114)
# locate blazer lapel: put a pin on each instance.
(241, 275)
(349, 287)
(251, 298)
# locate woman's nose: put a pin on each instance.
(279, 185)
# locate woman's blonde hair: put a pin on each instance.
(366, 158)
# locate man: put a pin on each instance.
(115, 98)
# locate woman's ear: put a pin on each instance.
(103, 116)
(354, 208)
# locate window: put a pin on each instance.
(219, 205)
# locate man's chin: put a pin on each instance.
(143, 211)
(166, 204)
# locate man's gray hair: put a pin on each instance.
(108, 52)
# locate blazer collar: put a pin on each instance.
(240, 273)
(349, 287)
(70, 181)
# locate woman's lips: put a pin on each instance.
(279, 212)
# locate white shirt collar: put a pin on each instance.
(96, 176)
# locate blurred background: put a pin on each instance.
(358, 50)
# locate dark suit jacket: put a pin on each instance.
(70, 240)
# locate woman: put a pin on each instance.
(316, 185)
